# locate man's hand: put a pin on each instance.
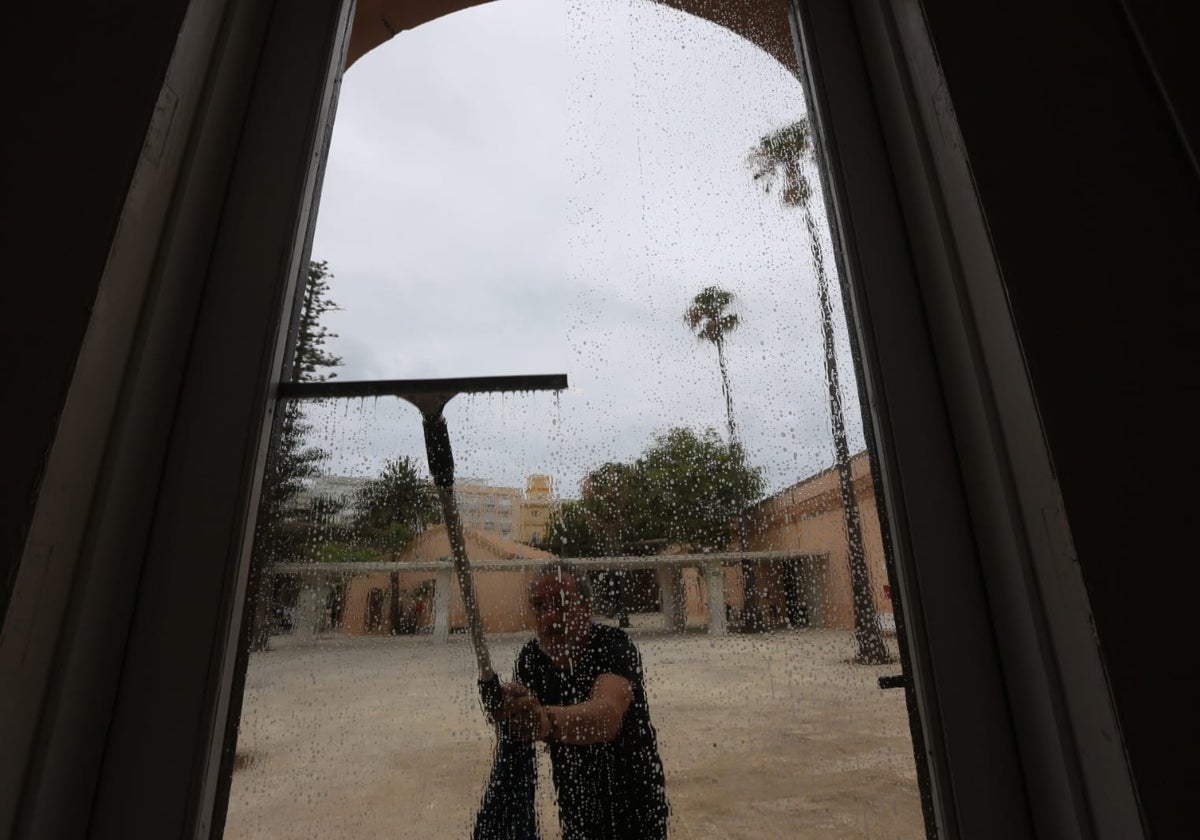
(595, 721)
(521, 714)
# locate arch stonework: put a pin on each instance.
(763, 23)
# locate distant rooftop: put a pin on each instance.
(337, 488)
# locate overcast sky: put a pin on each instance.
(533, 186)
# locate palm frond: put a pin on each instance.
(779, 157)
(709, 315)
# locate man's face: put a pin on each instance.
(561, 613)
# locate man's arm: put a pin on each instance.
(594, 721)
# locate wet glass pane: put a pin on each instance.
(625, 193)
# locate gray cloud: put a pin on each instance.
(528, 187)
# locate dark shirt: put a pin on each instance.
(609, 791)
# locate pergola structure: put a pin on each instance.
(668, 568)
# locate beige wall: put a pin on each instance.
(354, 611)
(503, 595)
(808, 517)
(503, 601)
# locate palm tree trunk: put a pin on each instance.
(727, 392)
(867, 633)
(751, 611)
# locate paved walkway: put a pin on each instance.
(762, 736)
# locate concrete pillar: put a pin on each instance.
(441, 606)
(714, 581)
(670, 585)
(310, 608)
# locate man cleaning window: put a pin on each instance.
(579, 688)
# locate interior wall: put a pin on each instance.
(76, 116)
(1094, 210)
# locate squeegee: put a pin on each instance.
(430, 396)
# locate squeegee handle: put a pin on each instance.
(437, 450)
(490, 695)
(441, 467)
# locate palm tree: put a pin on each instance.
(711, 317)
(779, 159)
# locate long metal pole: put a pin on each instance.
(441, 467)
(466, 583)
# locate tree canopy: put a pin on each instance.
(710, 315)
(695, 486)
(778, 159)
(687, 488)
(396, 506)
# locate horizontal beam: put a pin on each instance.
(420, 387)
(596, 563)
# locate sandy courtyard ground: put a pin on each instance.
(761, 736)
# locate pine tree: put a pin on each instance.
(292, 462)
(311, 356)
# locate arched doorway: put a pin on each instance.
(763, 24)
(680, 174)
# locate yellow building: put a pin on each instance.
(536, 508)
(490, 509)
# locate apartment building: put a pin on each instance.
(488, 508)
(536, 508)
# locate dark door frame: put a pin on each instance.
(122, 636)
(1018, 721)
